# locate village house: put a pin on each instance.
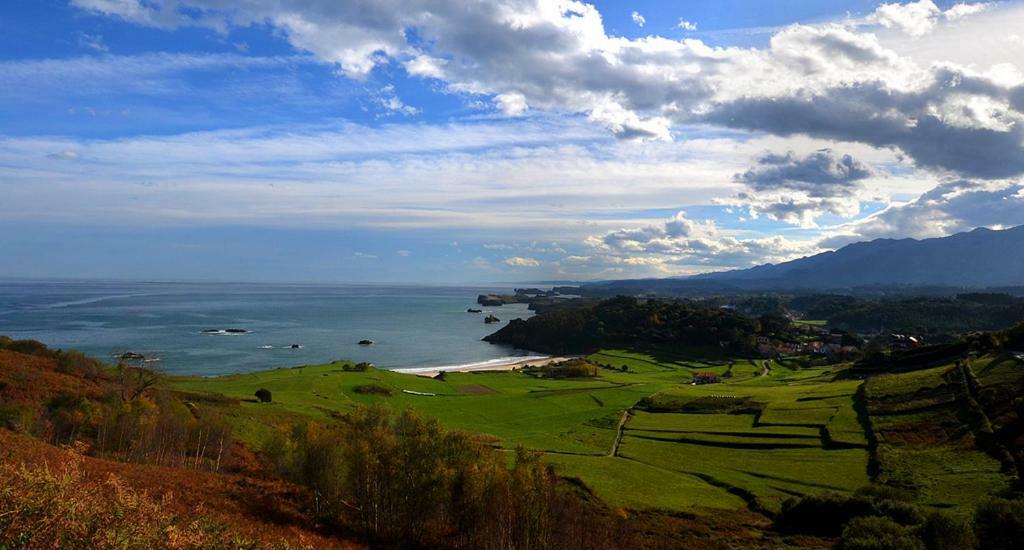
(789, 348)
(903, 342)
(706, 378)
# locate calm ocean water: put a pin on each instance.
(411, 326)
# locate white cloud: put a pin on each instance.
(959, 11)
(512, 104)
(830, 81)
(911, 84)
(521, 261)
(920, 18)
(426, 66)
(391, 175)
(93, 42)
(799, 189)
(951, 207)
(683, 242)
(387, 99)
(914, 18)
(639, 19)
(64, 155)
(403, 253)
(686, 25)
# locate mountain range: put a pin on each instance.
(982, 258)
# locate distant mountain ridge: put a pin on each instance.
(977, 259)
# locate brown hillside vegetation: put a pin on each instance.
(65, 434)
(58, 497)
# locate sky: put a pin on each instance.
(433, 141)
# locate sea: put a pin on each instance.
(211, 329)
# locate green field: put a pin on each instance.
(803, 439)
(770, 431)
(924, 447)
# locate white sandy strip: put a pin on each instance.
(510, 363)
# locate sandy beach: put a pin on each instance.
(431, 372)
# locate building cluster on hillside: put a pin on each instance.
(808, 339)
(816, 341)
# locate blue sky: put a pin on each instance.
(514, 140)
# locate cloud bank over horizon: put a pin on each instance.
(633, 144)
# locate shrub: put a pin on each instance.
(827, 514)
(942, 531)
(999, 523)
(877, 533)
(79, 364)
(358, 367)
(264, 395)
(903, 513)
(823, 515)
(571, 368)
(884, 492)
(28, 347)
(372, 389)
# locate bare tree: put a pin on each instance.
(133, 378)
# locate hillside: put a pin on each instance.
(625, 449)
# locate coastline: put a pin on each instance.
(484, 366)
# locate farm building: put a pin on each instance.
(706, 378)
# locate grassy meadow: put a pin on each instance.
(770, 431)
(803, 437)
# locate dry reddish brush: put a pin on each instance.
(59, 506)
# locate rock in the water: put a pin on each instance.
(471, 310)
(366, 342)
(491, 319)
(489, 300)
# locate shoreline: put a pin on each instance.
(537, 361)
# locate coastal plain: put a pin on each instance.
(638, 435)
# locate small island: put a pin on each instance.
(365, 342)
(536, 299)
